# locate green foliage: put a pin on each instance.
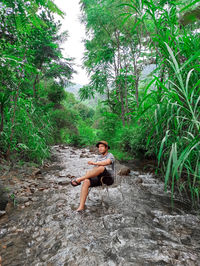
(134, 140)
(160, 118)
(72, 122)
(108, 125)
(88, 136)
(121, 155)
(32, 132)
(29, 98)
(175, 128)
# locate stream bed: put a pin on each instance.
(130, 223)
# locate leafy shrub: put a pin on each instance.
(31, 134)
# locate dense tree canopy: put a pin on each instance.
(30, 53)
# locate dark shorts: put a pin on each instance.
(107, 179)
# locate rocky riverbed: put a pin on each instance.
(130, 223)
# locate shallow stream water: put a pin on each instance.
(131, 223)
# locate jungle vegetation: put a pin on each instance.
(154, 115)
(158, 115)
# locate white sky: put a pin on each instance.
(73, 47)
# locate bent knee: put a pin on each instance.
(86, 182)
(101, 168)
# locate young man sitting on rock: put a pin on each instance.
(102, 173)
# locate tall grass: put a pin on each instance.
(175, 100)
(177, 119)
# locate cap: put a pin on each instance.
(104, 143)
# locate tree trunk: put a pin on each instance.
(122, 104)
(136, 83)
(12, 125)
(126, 97)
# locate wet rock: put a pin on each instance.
(10, 244)
(124, 171)
(61, 175)
(3, 197)
(36, 172)
(22, 200)
(42, 188)
(84, 156)
(186, 240)
(40, 177)
(44, 258)
(139, 181)
(27, 204)
(125, 225)
(46, 165)
(32, 189)
(3, 232)
(19, 230)
(93, 149)
(2, 213)
(64, 182)
(34, 199)
(70, 176)
(9, 207)
(35, 184)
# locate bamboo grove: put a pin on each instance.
(160, 113)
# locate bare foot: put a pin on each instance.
(75, 183)
(80, 209)
(78, 180)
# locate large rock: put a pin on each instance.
(93, 149)
(3, 197)
(124, 171)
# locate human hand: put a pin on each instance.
(91, 163)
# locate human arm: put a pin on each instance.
(102, 163)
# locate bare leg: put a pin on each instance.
(84, 193)
(92, 173)
(86, 184)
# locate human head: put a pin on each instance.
(103, 146)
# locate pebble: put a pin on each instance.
(22, 199)
(2, 213)
(32, 190)
(10, 244)
(44, 258)
(40, 177)
(41, 188)
(63, 183)
(3, 232)
(19, 230)
(36, 172)
(34, 199)
(139, 181)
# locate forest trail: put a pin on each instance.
(130, 224)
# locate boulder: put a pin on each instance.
(124, 171)
(93, 149)
(3, 197)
